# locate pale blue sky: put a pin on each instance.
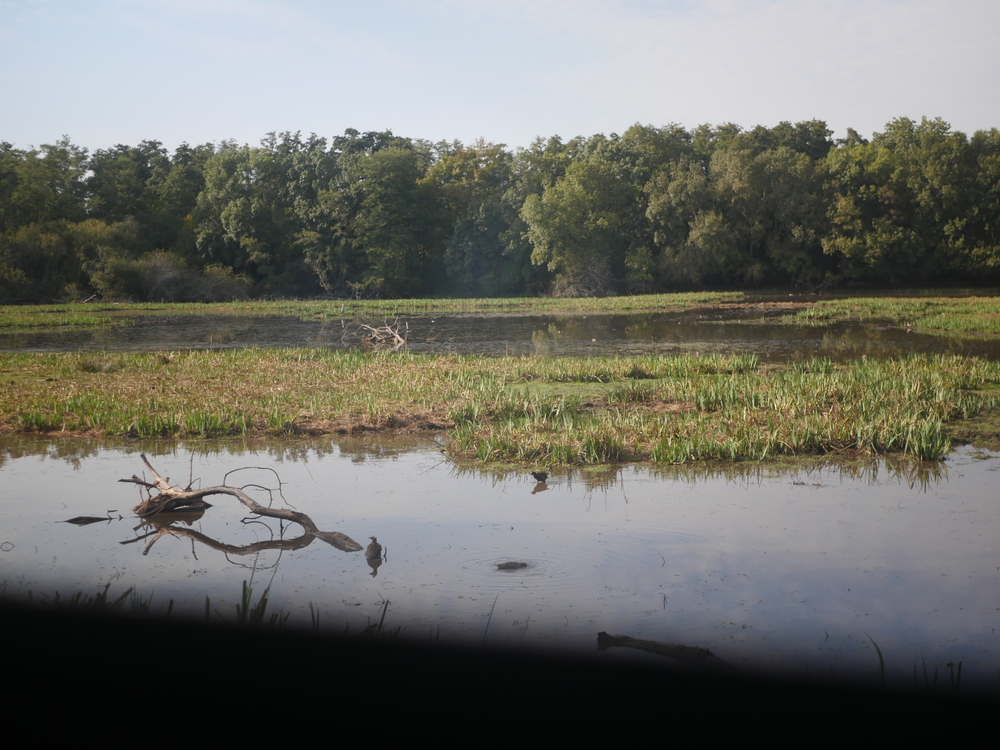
(120, 71)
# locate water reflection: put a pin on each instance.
(767, 567)
(729, 330)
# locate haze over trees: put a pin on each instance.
(379, 215)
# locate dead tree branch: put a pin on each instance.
(387, 336)
(169, 498)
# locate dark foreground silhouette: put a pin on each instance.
(85, 666)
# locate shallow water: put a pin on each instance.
(705, 331)
(770, 569)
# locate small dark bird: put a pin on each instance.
(541, 476)
(374, 551)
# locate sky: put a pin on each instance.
(106, 72)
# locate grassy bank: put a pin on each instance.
(928, 314)
(113, 313)
(548, 411)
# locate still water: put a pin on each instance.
(783, 570)
(710, 330)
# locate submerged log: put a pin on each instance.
(691, 657)
(169, 498)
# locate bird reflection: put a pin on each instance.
(373, 555)
(540, 477)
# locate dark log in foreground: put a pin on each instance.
(691, 657)
(173, 499)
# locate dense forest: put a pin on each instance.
(378, 215)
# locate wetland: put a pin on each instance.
(720, 477)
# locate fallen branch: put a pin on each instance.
(387, 336)
(169, 498)
(691, 657)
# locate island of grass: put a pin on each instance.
(516, 409)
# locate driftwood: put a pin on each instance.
(387, 336)
(690, 657)
(171, 499)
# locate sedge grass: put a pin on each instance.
(50, 316)
(941, 314)
(83, 313)
(659, 409)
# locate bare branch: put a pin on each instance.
(172, 499)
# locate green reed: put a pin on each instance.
(941, 314)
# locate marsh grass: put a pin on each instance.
(486, 631)
(660, 409)
(129, 602)
(719, 410)
(967, 314)
(822, 365)
(93, 364)
(881, 660)
(57, 316)
(250, 613)
(83, 313)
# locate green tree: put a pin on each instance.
(175, 198)
(469, 184)
(47, 184)
(583, 226)
(245, 216)
(773, 205)
(37, 265)
(124, 180)
(982, 226)
(695, 244)
(902, 203)
(375, 230)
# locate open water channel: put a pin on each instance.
(795, 570)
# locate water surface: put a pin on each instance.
(704, 331)
(770, 569)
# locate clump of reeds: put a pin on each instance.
(129, 602)
(92, 364)
(823, 365)
(868, 407)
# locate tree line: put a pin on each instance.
(378, 215)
